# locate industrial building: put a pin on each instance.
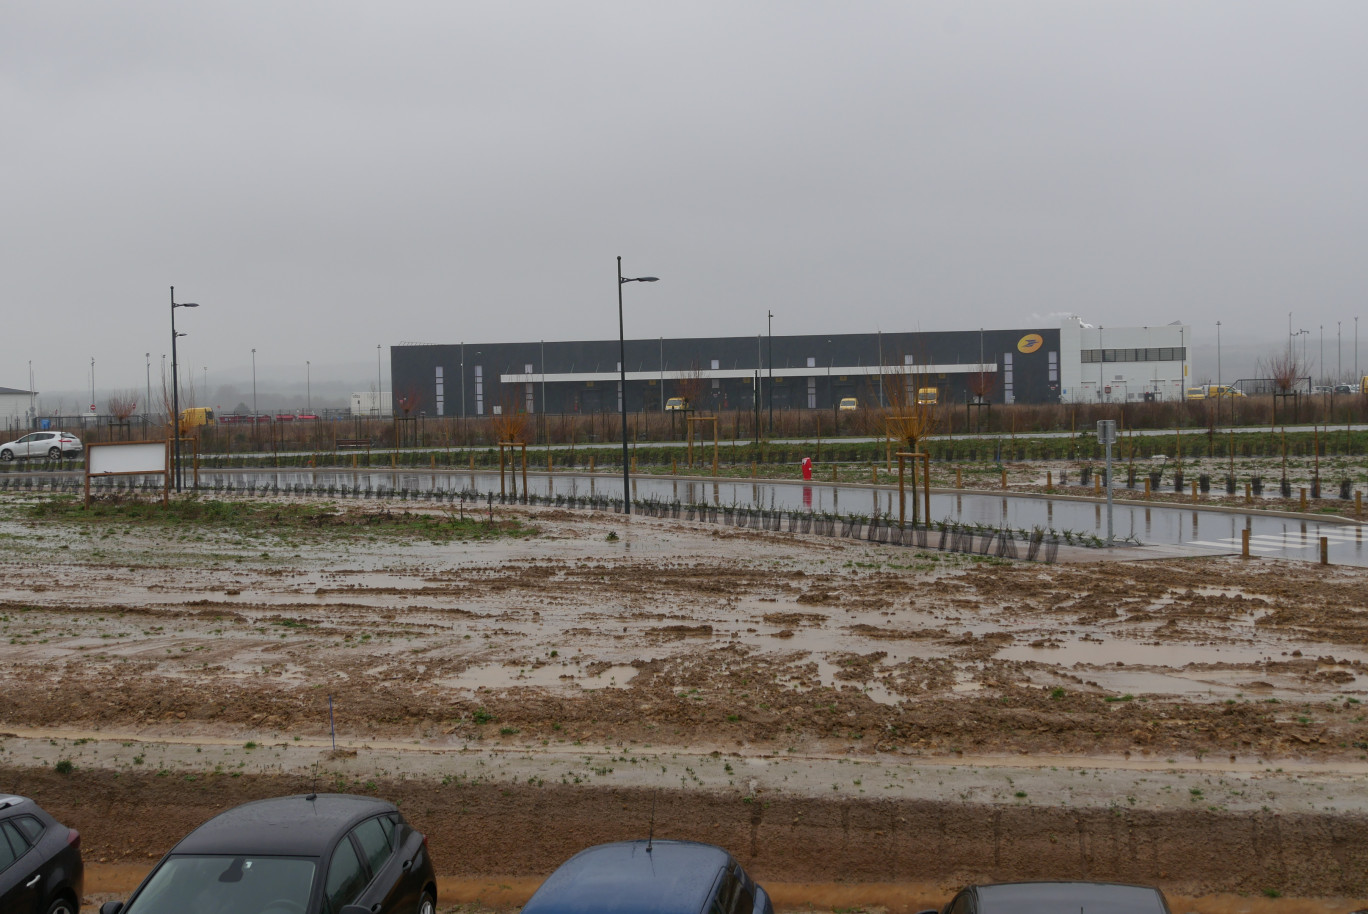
(1074, 362)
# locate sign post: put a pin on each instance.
(1106, 434)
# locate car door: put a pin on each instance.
(21, 447)
(20, 881)
(375, 841)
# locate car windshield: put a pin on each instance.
(227, 885)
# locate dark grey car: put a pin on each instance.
(311, 854)
(41, 871)
(1056, 897)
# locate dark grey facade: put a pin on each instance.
(805, 372)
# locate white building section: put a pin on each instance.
(369, 403)
(15, 408)
(1122, 364)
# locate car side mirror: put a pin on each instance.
(111, 907)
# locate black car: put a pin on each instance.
(650, 877)
(325, 853)
(1056, 897)
(40, 861)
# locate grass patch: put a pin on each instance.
(300, 522)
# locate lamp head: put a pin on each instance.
(186, 304)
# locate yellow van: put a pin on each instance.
(849, 403)
(675, 403)
(1223, 390)
(1196, 393)
(928, 395)
(194, 417)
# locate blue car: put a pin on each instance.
(650, 877)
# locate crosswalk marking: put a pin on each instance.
(1273, 542)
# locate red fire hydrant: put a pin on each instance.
(807, 467)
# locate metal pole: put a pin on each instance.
(1106, 434)
(770, 393)
(881, 390)
(1220, 392)
(308, 387)
(622, 398)
(379, 382)
(254, 400)
(147, 407)
(175, 397)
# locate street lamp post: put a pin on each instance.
(175, 386)
(308, 387)
(254, 406)
(379, 382)
(147, 406)
(622, 382)
(770, 359)
(1220, 391)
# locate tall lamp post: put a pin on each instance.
(175, 386)
(254, 406)
(622, 381)
(1220, 391)
(770, 359)
(308, 387)
(147, 405)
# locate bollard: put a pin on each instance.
(1303, 497)
(354, 461)
(833, 472)
(959, 482)
(754, 472)
(1358, 503)
(873, 474)
(591, 463)
(1244, 543)
(434, 461)
(472, 463)
(394, 458)
(1004, 479)
(1049, 479)
(634, 463)
(1325, 550)
(1248, 497)
(1097, 484)
(1194, 491)
(674, 467)
(549, 466)
(1147, 488)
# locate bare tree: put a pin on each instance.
(689, 386)
(122, 404)
(511, 423)
(1286, 370)
(982, 384)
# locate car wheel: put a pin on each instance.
(6, 455)
(426, 905)
(62, 906)
(54, 453)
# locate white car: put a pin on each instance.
(52, 445)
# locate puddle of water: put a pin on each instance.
(552, 676)
(1136, 653)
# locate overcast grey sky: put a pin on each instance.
(324, 177)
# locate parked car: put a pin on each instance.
(1322, 389)
(52, 445)
(1344, 388)
(848, 403)
(1196, 393)
(325, 853)
(1055, 897)
(650, 877)
(41, 871)
(675, 403)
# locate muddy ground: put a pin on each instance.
(832, 711)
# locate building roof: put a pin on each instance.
(16, 392)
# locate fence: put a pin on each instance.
(946, 536)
